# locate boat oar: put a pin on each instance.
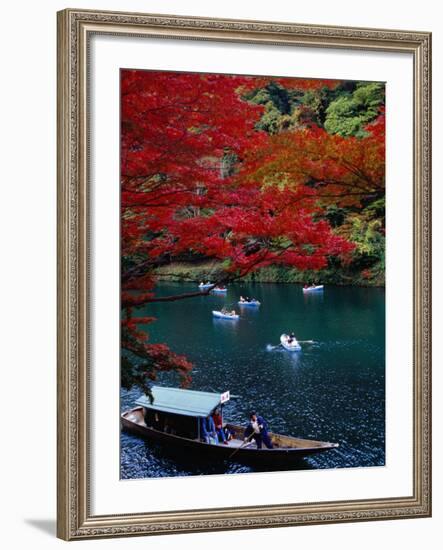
(244, 444)
(306, 341)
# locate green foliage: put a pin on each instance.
(376, 209)
(281, 107)
(345, 109)
(351, 112)
(369, 241)
(315, 103)
(228, 163)
(335, 273)
(335, 215)
(192, 271)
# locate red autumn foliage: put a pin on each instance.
(337, 169)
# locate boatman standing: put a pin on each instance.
(258, 429)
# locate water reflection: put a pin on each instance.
(313, 297)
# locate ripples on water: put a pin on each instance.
(333, 390)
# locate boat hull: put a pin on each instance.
(249, 304)
(219, 315)
(318, 288)
(250, 456)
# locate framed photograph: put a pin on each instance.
(243, 274)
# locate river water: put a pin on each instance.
(332, 390)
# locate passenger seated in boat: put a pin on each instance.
(232, 312)
(242, 299)
(258, 429)
(218, 422)
(228, 433)
(207, 430)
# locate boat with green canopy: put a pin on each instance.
(173, 417)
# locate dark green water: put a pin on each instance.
(333, 390)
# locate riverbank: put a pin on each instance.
(210, 270)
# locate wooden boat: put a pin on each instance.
(221, 315)
(173, 420)
(292, 345)
(313, 288)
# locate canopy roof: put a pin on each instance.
(178, 401)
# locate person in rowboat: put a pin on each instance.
(218, 422)
(258, 429)
(229, 433)
(226, 312)
(207, 430)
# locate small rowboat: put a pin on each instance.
(203, 286)
(315, 288)
(219, 290)
(174, 418)
(252, 303)
(221, 315)
(292, 345)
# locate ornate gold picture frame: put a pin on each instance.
(75, 30)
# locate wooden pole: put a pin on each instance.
(248, 440)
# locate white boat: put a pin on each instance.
(220, 290)
(314, 288)
(221, 315)
(251, 303)
(292, 345)
(205, 285)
